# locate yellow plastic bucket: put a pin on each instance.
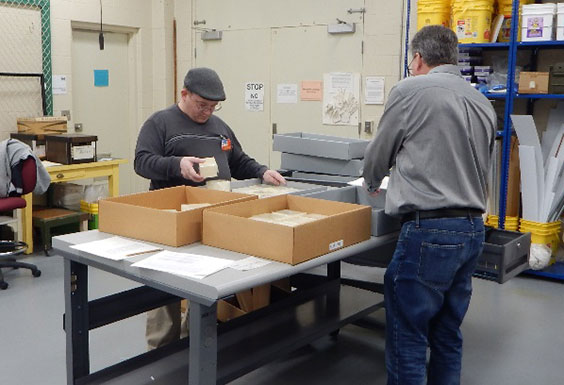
(433, 16)
(92, 209)
(542, 233)
(506, 9)
(472, 21)
(433, 13)
(511, 223)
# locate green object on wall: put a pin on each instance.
(44, 8)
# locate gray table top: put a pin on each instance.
(211, 288)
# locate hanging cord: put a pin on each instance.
(101, 36)
(407, 26)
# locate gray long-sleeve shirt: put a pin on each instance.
(437, 137)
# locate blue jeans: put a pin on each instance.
(428, 286)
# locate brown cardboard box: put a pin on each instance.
(71, 148)
(142, 216)
(43, 125)
(533, 83)
(229, 227)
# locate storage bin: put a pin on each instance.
(306, 163)
(92, 209)
(542, 233)
(537, 22)
(511, 223)
(472, 21)
(560, 21)
(324, 146)
(381, 223)
(505, 8)
(505, 254)
(433, 13)
(298, 187)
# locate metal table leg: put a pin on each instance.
(203, 344)
(76, 320)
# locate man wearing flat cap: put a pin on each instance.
(171, 142)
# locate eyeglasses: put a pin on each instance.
(409, 69)
(203, 107)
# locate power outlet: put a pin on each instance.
(78, 127)
(368, 126)
(67, 114)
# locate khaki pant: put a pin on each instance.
(165, 325)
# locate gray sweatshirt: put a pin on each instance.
(169, 135)
(437, 137)
(12, 152)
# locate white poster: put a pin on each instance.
(254, 96)
(374, 90)
(341, 94)
(287, 93)
(59, 84)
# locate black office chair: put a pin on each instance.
(26, 172)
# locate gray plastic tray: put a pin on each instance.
(304, 188)
(320, 165)
(506, 254)
(325, 146)
(381, 223)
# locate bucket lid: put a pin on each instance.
(539, 8)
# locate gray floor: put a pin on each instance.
(513, 335)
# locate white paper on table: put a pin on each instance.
(188, 265)
(116, 248)
(529, 183)
(249, 263)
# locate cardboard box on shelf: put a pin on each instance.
(533, 83)
(229, 227)
(43, 125)
(144, 215)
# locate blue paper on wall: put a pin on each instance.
(101, 78)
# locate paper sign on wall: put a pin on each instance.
(374, 90)
(341, 91)
(59, 84)
(287, 93)
(311, 90)
(254, 96)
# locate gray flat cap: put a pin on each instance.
(205, 82)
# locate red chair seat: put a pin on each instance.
(11, 203)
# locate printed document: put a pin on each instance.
(188, 265)
(116, 248)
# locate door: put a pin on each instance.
(238, 59)
(277, 42)
(303, 54)
(103, 108)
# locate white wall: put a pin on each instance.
(150, 23)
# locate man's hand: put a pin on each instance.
(371, 193)
(273, 177)
(187, 168)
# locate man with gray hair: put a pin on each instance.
(437, 137)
